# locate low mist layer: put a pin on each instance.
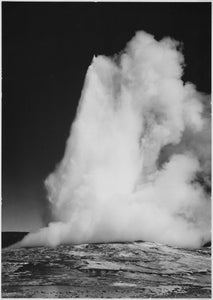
(137, 161)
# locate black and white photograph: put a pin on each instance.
(106, 149)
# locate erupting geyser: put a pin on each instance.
(137, 161)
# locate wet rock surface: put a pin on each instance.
(116, 270)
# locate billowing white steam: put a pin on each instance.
(140, 138)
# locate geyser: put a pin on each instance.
(137, 161)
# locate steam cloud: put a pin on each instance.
(137, 161)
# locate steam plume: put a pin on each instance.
(137, 161)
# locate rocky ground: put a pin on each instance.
(116, 270)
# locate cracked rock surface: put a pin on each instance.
(114, 270)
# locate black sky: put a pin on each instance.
(46, 50)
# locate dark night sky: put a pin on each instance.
(46, 50)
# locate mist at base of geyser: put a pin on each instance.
(139, 143)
